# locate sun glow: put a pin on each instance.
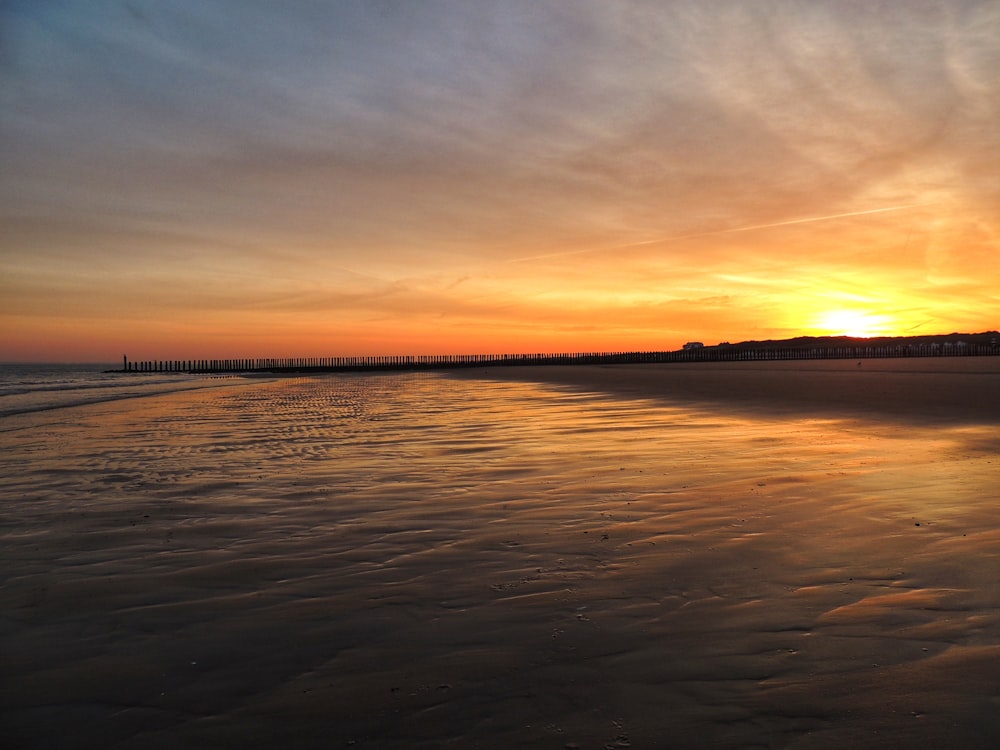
(855, 323)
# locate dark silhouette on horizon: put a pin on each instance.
(802, 347)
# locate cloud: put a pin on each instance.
(627, 148)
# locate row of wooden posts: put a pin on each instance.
(445, 361)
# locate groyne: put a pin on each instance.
(720, 353)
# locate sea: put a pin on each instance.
(27, 388)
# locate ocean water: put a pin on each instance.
(425, 561)
(26, 388)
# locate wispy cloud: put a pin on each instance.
(608, 151)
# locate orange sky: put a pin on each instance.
(235, 179)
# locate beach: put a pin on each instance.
(799, 554)
(919, 390)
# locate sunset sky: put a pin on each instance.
(242, 178)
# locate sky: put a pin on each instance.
(240, 178)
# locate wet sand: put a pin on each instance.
(489, 560)
(921, 390)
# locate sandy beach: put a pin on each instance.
(748, 555)
(918, 390)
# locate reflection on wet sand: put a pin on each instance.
(421, 561)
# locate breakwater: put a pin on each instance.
(721, 353)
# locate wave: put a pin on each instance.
(25, 389)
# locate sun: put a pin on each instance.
(856, 323)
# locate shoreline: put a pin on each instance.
(919, 390)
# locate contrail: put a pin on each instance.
(918, 325)
(713, 232)
(820, 218)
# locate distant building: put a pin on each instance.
(693, 345)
